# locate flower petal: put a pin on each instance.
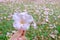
(17, 25)
(26, 26)
(16, 17)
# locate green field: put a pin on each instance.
(43, 31)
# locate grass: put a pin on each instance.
(42, 32)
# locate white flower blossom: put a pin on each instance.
(22, 20)
(58, 16)
(46, 19)
(52, 35)
(9, 34)
(34, 24)
(13, 31)
(46, 9)
(56, 32)
(5, 17)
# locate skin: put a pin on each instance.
(19, 35)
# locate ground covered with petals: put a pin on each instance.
(46, 16)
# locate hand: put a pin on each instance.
(19, 35)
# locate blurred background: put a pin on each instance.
(46, 14)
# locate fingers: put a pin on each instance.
(18, 34)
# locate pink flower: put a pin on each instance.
(22, 20)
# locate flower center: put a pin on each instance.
(22, 22)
